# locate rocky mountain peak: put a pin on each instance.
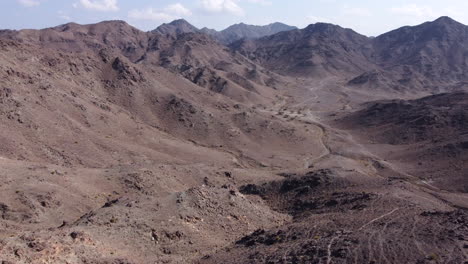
(176, 27)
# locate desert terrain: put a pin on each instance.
(250, 145)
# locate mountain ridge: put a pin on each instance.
(244, 31)
(225, 36)
(318, 49)
(404, 59)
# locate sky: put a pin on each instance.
(368, 17)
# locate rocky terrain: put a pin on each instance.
(428, 58)
(316, 51)
(313, 145)
(428, 133)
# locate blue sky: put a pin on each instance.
(369, 17)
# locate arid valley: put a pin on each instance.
(250, 145)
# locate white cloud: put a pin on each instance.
(63, 15)
(29, 3)
(316, 19)
(418, 13)
(261, 2)
(222, 6)
(150, 14)
(414, 10)
(229, 6)
(98, 5)
(178, 9)
(454, 12)
(167, 14)
(357, 11)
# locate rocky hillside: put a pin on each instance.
(173, 46)
(430, 57)
(176, 27)
(434, 118)
(317, 50)
(430, 134)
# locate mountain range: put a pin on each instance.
(403, 59)
(227, 36)
(254, 144)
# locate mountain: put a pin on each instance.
(244, 31)
(426, 58)
(226, 36)
(207, 63)
(209, 31)
(176, 27)
(430, 57)
(317, 50)
(174, 46)
(97, 117)
(73, 37)
(128, 55)
(422, 44)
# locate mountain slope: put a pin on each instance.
(209, 64)
(90, 123)
(429, 135)
(318, 50)
(73, 37)
(430, 57)
(176, 27)
(140, 73)
(195, 56)
(226, 36)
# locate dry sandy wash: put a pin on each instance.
(306, 146)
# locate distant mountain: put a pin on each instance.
(226, 36)
(209, 31)
(72, 37)
(244, 31)
(177, 46)
(176, 27)
(409, 45)
(431, 57)
(426, 56)
(318, 49)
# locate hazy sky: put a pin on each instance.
(369, 17)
